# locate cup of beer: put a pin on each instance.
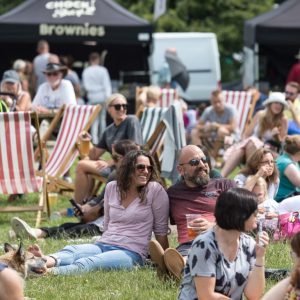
(52, 197)
(84, 144)
(189, 222)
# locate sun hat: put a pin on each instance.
(10, 76)
(52, 68)
(276, 97)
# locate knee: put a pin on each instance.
(222, 132)
(81, 167)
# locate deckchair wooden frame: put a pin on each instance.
(55, 183)
(43, 204)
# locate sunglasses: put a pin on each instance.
(195, 162)
(118, 106)
(52, 74)
(142, 167)
(116, 157)
(289, 93)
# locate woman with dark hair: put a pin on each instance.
(260, 164)
(134, 205)
(288, 288)
(289, 171)
(224, 262)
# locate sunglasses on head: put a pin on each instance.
(195, 161)
(118, 106)
(142, 167)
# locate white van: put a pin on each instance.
(198, 52)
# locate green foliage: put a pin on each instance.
(6, 5)
(223, 17)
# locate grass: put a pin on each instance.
(141, 283)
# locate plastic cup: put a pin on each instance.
(189, 222)
(52, 197)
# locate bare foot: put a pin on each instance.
(35, 250)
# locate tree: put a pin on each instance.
(223, 17)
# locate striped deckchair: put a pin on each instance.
(76, 118)
(167, 97)
(150, 118)
(244, 103)
(17, 170)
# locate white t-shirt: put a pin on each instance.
(288, 205)
(49, 98)
(96, 82)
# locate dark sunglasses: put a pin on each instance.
(195, 162)
(116, 157)
(289, 93)
(52, 74)
(141, 167)
(118, 106)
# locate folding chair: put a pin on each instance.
(76, 118)
(167, 97)
(17, 171)
(149, 119)
(244, 103)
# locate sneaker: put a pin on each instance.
(174, 263)
(157, 256)
(22, 229)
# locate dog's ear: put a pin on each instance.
(20, 252)
(8, 247)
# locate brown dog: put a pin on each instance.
(23, 262)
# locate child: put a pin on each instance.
(267, 208)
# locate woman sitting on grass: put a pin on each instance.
(288, 288)
(289, 170)
(134, 205)
(268, 126)
(224, 262)
(260, 164)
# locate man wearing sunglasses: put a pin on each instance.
(293, 111)
(195, 193)
(55, 92)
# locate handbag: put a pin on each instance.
(289, 224)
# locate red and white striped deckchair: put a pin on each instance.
(17, 170)
(167, 97)
(244, 103)
(76, 118)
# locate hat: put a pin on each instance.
(52, 67)
(11, 76)
(298, 55)
(276, 97)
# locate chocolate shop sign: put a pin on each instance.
(71, 30)
(69, 8)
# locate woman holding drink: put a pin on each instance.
(224, 262)
(134, 205)
(123, 127)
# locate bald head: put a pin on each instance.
(189, 152)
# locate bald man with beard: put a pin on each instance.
(195, 193)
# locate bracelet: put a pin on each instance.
(259, 266)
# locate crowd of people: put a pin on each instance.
(221, 251)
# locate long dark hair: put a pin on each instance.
(127, 170)
(295, 276)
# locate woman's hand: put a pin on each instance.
(263, 171)
(101, 164)
(262, 241)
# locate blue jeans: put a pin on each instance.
(78, 259)
(293, 128)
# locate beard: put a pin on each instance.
(197, 178)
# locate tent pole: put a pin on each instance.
(256, 65)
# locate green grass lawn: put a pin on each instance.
(138, 284)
